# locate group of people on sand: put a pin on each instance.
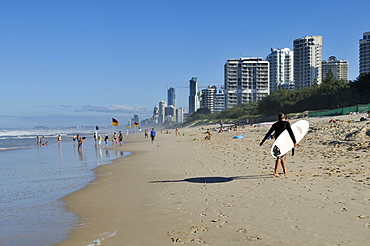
(40, 141)
(79, 140)
(152, 134)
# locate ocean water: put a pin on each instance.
(34, 178)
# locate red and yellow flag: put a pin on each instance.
(115, 122)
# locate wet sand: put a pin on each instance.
(187, 190)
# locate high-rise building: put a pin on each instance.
(135, 119)
(155, 114)
(180, 115)
(307, 61)
(219, 103)
(171, 96)
(208, 98)
(170, 113)
(281, 67)
(246, 80)
(161, 112)
(365, 53)
(193, 95)
(339, 68)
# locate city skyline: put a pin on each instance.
(82, 63)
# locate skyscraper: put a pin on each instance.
(180, 115)
(281, 67)
(307, 61)
(193, 96)
(246, 80)
(171, 97)
(339, 68)
(161, 112)
(170, 113)
(365, 53)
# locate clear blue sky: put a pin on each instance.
(72, 62)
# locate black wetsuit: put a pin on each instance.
(279, 127)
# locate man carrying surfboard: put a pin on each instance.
(278, 127)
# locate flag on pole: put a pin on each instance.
(136, 124)
(115, 122)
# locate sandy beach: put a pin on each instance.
(188, 190)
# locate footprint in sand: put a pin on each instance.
(296, 228)
(241, 230)
(197, 240)
(251, 238)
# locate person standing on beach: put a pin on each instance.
(80, 143)
(114, 139)
(120, 138)
(99, 140)
(278, 127)
(38, 141)
(106, 140)
(59, 139)
(152, 135)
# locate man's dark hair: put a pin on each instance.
(281, 116)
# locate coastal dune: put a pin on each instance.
(188, 190)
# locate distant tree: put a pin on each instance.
(361, 88)
(331, 85)
(205, 111)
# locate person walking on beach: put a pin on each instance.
(278, 127)
(59, 139)
(152, 135)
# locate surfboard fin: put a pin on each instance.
(276, 151)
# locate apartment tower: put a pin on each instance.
(307, 61)
(219, 101)
(208, 98)
(365, 53)
(339, 68)
(246, 80)
(281, 68)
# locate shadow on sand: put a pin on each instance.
(212, 180)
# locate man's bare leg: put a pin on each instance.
(277, 164)
(284, 166)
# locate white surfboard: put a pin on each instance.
(284, 142)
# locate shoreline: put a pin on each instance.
(111, 196)
(187, 190)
